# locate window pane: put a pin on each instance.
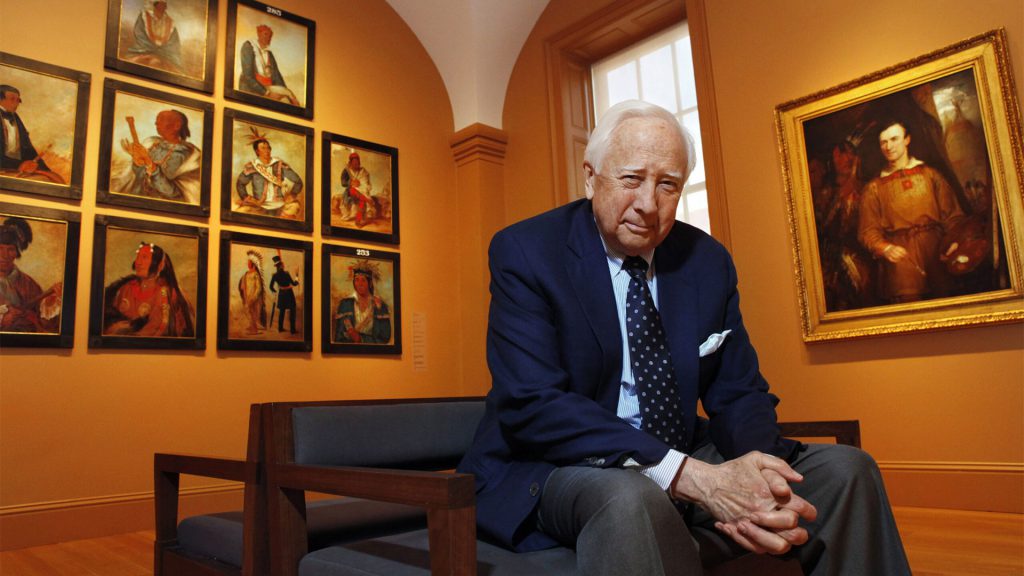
(684, 64)
(622, 84)
(697, 210)
(658, 78)
(692, 122)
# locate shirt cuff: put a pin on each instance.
(663, 472)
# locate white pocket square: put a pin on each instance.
(712, 343)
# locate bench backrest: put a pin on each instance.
(427, 434)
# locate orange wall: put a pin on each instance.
(942, 412)
(80, 426)
(948, 400)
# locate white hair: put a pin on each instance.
(616, 115)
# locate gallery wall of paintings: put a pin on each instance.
(150, 276)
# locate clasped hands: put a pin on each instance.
(750, 499)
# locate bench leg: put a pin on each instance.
(452, 541)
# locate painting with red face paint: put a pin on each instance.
(151, 297)
(154, 150)
(360, 181)
(149, 284)
(269, 58)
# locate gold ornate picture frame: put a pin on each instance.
(904, 196)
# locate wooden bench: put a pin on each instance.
(238, 543)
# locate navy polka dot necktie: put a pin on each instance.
(650, 360)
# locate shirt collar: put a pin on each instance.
(912, 163)
(616, 259)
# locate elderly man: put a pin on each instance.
(608, 321)
(904, 213)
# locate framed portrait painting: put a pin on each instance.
(154, 150)
(148, 285)
(269, 181)
(904, 196)
(360, 189)
(38, 276)
(269, 58)
(265, 298)
(51, 104)
(362, 304)
(171, 41)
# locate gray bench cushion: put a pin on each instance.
(407, 555)
(434, 435)
(219, 536)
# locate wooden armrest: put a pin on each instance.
(844, 431)
(411, 487)
(167, 469)
(448, 497)
(209, 466)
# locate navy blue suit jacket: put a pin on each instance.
(554, 350)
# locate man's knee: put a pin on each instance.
(631, 494)
(833, 466)
(852, 462)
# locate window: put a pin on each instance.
(659, 70)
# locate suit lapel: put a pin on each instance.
(587, 268)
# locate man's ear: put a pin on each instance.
(588, 182)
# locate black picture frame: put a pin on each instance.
(295, 49)
(114, 184)
(184, 58)
(48, 94)
(239, 160)
(121, 310)
(340, 213)
(233, 312)
(47, 320)
(339, 301)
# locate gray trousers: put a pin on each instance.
(622, 524)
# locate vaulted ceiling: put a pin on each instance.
(474, 44)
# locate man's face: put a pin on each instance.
(168, 125)
(8, 253)
(354, 163)
(263, 151)
(11, 101)
(637, 189)
(264, 35)
(361, 284)
(159, 8)
(893, 142)
(844, 159)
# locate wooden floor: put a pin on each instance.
(938, 542)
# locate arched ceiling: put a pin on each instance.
(474, 44)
